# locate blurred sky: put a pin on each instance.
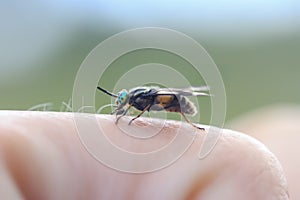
(30, 27)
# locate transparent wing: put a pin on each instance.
(189, 91)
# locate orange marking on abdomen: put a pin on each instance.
(164, 99)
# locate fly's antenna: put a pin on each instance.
(107, 92)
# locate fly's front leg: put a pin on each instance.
(145, 109)
(124, 113)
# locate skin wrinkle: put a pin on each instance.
(8, 187)
(15, 164)
(199, 185)
(30, 144)
(231, 144)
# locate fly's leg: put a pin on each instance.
(145, 109)
(123, 114)
(188, 121)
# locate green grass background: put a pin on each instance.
(256, 73)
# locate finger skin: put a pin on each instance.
(44, 158)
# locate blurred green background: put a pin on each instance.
(256, 46)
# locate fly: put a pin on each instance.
(157, 99)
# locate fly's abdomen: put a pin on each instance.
(174, 103)
(187, 107)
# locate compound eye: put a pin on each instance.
(122, 97)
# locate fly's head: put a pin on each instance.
(120, 102)
(122, 97)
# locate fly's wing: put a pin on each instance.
(189, 91)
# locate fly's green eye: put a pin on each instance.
(122, 97)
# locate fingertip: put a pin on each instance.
(245, 166)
